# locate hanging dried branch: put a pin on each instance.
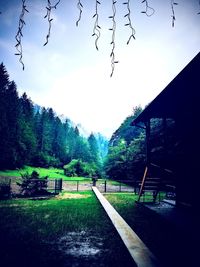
(96, 29)
(173, 12)
(49, 7)
(19, 34)
(149, 11)
(113, 29)
(80, 7)
(199, 11)
(128, 15)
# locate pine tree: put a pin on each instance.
(27, 136)
(93, 146)
(9, 115)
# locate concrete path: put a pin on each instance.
(137, 249)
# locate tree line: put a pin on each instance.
(36, 136)
(126, 157)
(32, 135)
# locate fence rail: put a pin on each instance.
(58, 185)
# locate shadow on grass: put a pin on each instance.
(172, 244)
(59, 232)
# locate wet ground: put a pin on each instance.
(84, 249)
(81, 249)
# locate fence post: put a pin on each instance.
(61, 180)
(105, 184)
(55, 186)
(77, 185)
(58, 185)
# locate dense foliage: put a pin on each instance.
(31, 135)
(79, 168)
(126, 157)
(126, 154)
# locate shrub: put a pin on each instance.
(32, 184)
(80, 168)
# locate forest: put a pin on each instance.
(36, 136)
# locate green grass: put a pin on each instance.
(50, 172)
(30, 231)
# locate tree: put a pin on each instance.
(115, 163)
(27, 135)
(9, 117)
(36, 136)
(126, 153)
(93, 147)
(4, 83)
(126, 131)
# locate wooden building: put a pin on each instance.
(180, 102)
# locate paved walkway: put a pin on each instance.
(141, 255)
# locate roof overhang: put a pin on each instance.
(181, 97)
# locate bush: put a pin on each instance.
(32, 184)
(80, 168)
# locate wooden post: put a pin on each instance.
(164, 121)
(148, 132)
(61, 184)
(105, 184)
(120, 186)
(77, 186)
(142, 184)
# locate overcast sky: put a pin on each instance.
(73, 78)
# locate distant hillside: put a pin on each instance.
(37, 136)
(126, 131)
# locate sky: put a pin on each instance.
(72, 77)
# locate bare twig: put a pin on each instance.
(49, 7)
(113, 29)
(149, 11)
(80, 7)
(19, 33)
(96, 29)
(173, 12)
(199, 11)
(128, 15)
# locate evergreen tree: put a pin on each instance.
(9, 116)
(36, 136)
(27, 134)
(94, 151)
(4, 83)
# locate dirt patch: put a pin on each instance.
(72, 196)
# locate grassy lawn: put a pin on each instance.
(71, 229)
(172, 245)
(50, 172)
